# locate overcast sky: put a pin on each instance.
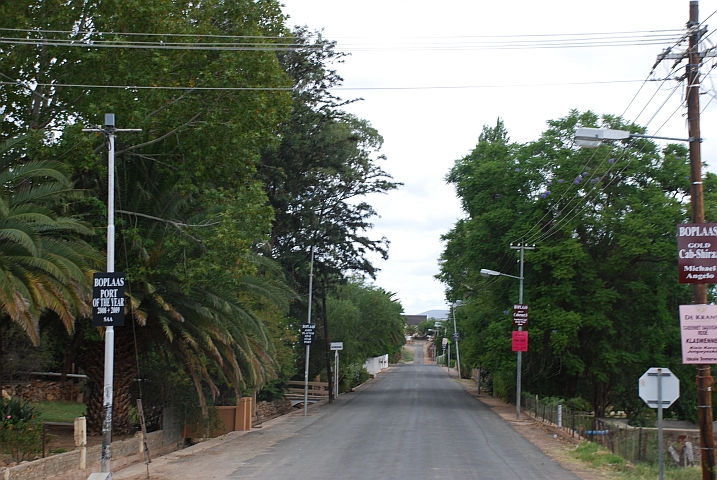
(429, 85)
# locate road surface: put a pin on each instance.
(411, 422)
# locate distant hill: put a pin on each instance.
(436, 313)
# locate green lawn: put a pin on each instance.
(59, 411)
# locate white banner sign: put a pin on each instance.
(698, 328)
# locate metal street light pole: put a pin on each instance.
(455, 305)
(519, 368)
(487, 273)
(108, 393)
(308, 322)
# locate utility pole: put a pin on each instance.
(308, 322)
(522, 247)
(704, 374)
(455, 338)
(109, 131)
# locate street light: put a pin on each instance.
(594, 137)
(492, 273)
(488, 273)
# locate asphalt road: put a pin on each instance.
(412, 422)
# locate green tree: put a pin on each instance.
(317, 177)
(367, 319)
(601, 283)
(190, 209)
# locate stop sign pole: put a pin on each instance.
(659, 387)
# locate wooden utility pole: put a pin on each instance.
(704, 374)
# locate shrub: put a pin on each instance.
(20, 431)
(356, 374)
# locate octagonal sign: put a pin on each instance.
(648, 387)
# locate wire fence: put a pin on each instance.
(635, 444)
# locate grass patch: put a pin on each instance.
(649, 472)
(407, 354)
(602, 459)
(591, 453)
(59, 411)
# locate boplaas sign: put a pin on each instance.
(697, 252)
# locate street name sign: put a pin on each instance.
(308, 331)
(520, 315)
(337, 345)
(108, 299)
(698, 329)
(697, 252)
(647, 387)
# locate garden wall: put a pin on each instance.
(66, 466)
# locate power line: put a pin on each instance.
(555, 225)
(434, 87)
(92, 39)
(149, 87)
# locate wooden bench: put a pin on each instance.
(295, 392)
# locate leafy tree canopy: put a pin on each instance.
(602, 281)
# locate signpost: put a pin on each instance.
(336, 346)
(110, 131)
(659, 388)
(308, 331)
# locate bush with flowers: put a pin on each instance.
(20, 431)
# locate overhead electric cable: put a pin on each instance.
(435, 87)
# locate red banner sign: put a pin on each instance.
(697, 252)
(520, 341)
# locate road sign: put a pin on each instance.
(308, 331)
(647, 387)
(455, 336)
(520, 341)
(520, 315)
(337, 345)
(108, 299)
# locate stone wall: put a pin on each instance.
(65, 466)
(268, 410)
(40, 391)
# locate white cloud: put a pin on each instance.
(425, 131)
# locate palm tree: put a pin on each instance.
(44, 263)
(208, 328)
